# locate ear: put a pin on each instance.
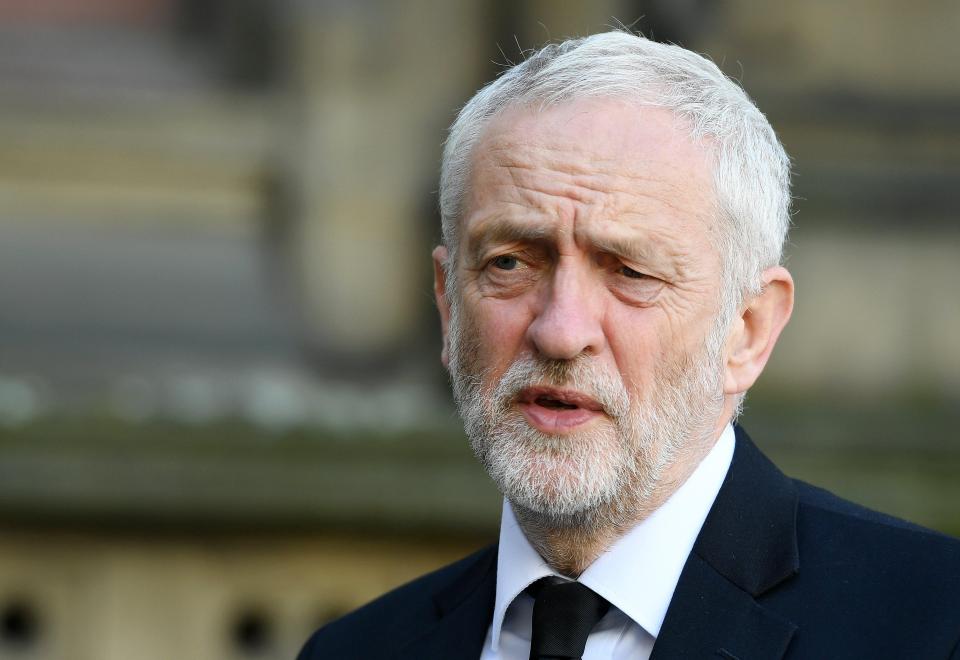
(440, 257)
(754, 333)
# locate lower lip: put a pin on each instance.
(557, 420)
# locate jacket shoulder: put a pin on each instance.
(890, 582)
(906, 557)
(817, 506)
(377, 627)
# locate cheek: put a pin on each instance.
(687, 318)
(501, 329)
(636, 344)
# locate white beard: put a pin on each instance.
(600, 477)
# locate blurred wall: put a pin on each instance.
(222, 415)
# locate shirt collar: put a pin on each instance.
(639, 572)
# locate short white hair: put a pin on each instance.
(751, 169)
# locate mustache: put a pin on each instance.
(581, 374)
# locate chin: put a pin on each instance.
(557, 477)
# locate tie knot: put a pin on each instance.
(564, 613)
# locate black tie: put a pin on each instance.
(564, 613)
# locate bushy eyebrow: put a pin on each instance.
(504, 230)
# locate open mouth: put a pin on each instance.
(554, 404)
(555, 398)
(556, 410)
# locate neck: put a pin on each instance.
(568, 550)
(570, 545)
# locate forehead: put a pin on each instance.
(599, 165)
(609, 129)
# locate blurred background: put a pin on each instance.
(223, 419)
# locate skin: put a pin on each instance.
(587, 230)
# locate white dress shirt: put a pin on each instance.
(637, 574)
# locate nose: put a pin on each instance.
(568, 321)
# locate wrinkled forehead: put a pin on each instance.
(624, 163)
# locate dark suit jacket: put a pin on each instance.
(780, 570)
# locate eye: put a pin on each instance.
(505, 262)
(626, 271)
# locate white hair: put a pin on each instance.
(751, 169)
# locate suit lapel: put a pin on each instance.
(747, 546)
(464, 610)
(709, 617)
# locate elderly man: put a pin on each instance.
(614, 213)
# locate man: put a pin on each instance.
(614, 212)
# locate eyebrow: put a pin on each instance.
(650, 254)
(500, 230)
(628, 248)
(504, 230)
